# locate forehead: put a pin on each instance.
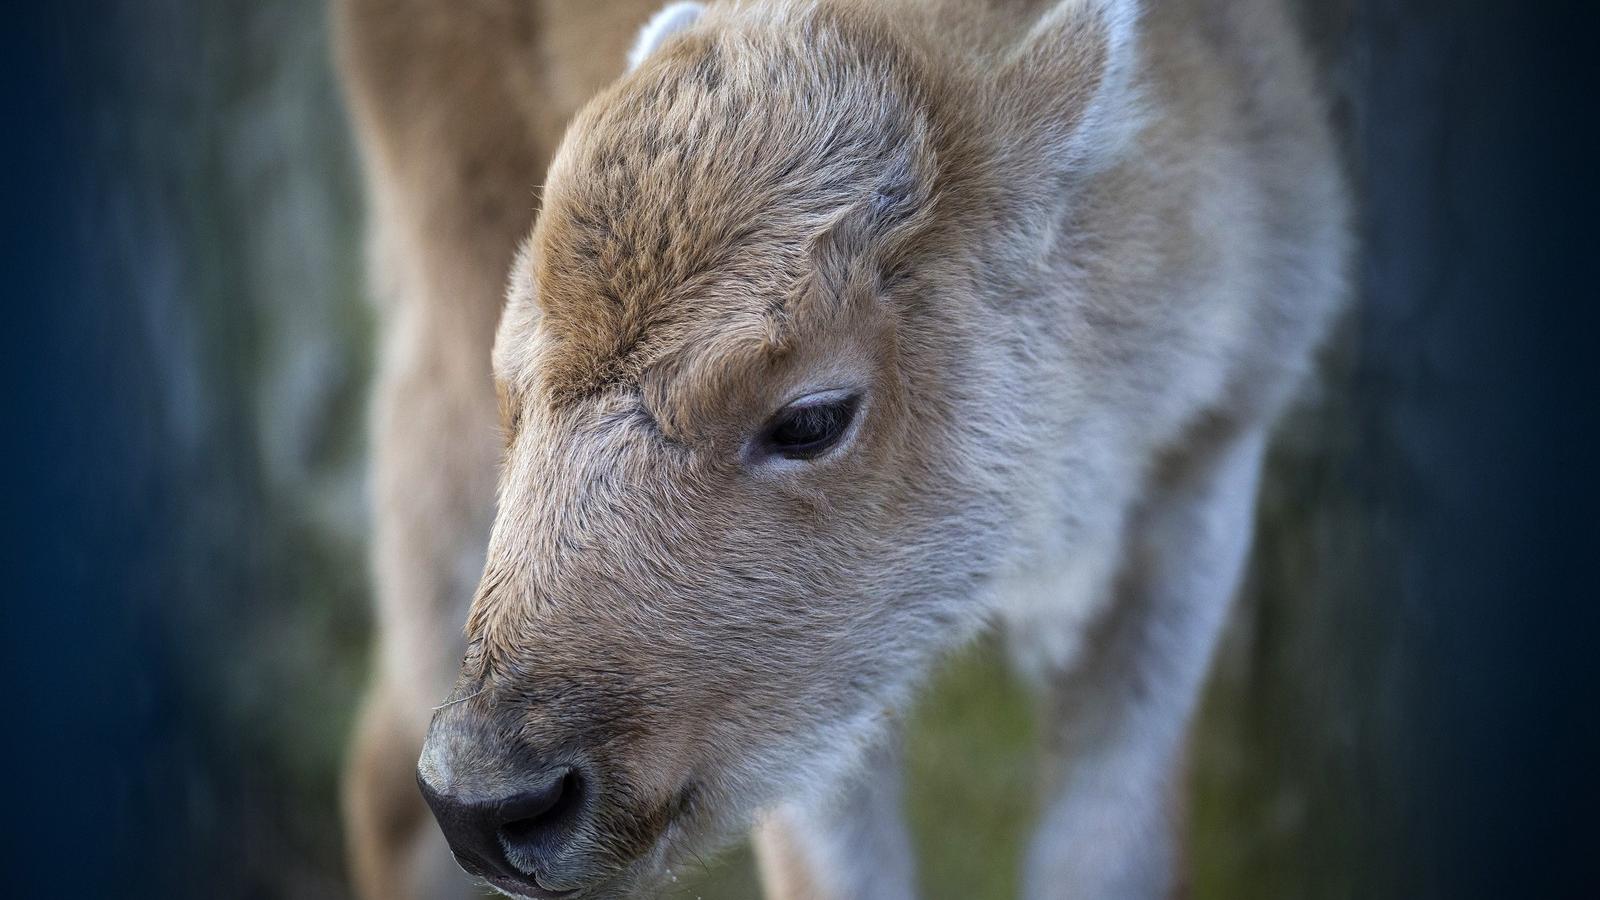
(685, 204)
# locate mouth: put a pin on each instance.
(525, 889)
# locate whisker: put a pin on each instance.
(459, 699)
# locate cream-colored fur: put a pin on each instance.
(1070, 257)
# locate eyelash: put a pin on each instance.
(806, 430)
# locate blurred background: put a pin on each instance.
(1406, 704)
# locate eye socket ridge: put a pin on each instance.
(810, 426)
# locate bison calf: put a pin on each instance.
(846, 330)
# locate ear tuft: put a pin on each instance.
(672, 19)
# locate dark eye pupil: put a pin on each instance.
(806, 431)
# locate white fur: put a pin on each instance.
(672, 19)
(1048, 609)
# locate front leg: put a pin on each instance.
(1117, 719)
(850, 846)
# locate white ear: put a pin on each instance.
(1081, 59)
(672, 19)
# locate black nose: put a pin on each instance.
(509, 836)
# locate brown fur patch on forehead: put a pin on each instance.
(698, 193)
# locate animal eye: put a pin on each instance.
(811, 426)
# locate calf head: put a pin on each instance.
(749, 481)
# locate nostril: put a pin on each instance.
(511, 836)
(536, 825)
(535, 803)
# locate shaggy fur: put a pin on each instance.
(1073, 258)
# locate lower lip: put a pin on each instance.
(526, 890)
